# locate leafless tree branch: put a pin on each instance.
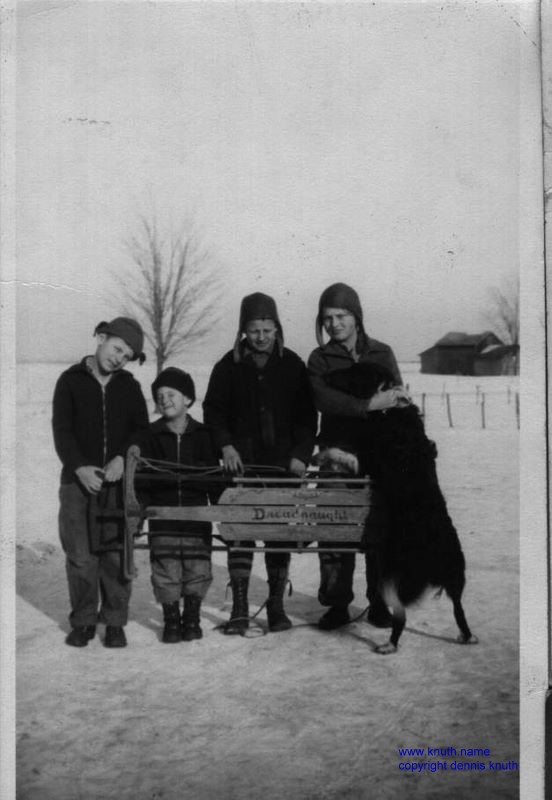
(503, 311)
(170, 287)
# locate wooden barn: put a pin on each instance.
(457, 354)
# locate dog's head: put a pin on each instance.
(333, 459)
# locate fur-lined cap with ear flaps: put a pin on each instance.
(129, 331)
(258, 306)
(338, 295)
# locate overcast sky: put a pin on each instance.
(373, 143)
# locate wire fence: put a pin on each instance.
(479, 407)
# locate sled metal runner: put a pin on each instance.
(261, 508)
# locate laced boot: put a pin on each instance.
(171, 617)
(191, 628)
(239, 618)
(275, 614)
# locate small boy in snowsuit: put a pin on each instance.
(98, 406)
(180, 565)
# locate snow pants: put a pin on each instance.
(97, 590)
(180, 566)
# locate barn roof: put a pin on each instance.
(454, 339)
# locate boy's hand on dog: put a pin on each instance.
(396, 397)
(91, 478)
(231, 460)
(114, 469)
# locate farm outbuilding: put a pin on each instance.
(458, 353)
(498, 360)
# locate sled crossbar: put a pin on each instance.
(291, 510)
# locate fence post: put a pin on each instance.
(517, 409)
(448, 409)
(483, 410)
(423, 404)
(508, 393)
(476, 393)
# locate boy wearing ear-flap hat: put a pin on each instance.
(260, 410)
(340, 317)
(98, 406)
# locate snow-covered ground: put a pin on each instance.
(303, 714)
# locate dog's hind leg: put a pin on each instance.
(465, 636)
(398, 621)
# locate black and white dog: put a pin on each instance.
(421, 548)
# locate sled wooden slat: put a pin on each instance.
(262, 515)
(302, 496)
(290, 533)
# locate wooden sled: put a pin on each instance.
(301, 511)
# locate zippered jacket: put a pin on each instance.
(93, 423)
(192, 448)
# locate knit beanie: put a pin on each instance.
(258, 306)
(174, 378)
(338, 295)
(129, 331)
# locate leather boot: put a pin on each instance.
(275, 614)
(190, 618)
(171, 617)
(80, 635)
(239, 618)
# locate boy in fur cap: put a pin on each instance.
(259, 407)
(98, 406)
(340, 317)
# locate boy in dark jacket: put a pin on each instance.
(97, 408)
(340, 317)
(259, 407)
(180, 565)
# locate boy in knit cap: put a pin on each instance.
(180, 565)
(260, 410)
(97, 408)
(340, 317)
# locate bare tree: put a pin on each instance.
(170, 287)
(503, 311)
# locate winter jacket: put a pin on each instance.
(267, 414)
(333, 403)
(192, 448)
(93, 423)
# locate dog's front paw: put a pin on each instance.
(471, 640)
(385, 649)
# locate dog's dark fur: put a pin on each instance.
(422, 548)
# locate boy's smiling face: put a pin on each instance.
(171, 403)
(340, 325)
(112, 353)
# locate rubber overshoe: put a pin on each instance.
(335, 617)
(80, 635)
(115, 636)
